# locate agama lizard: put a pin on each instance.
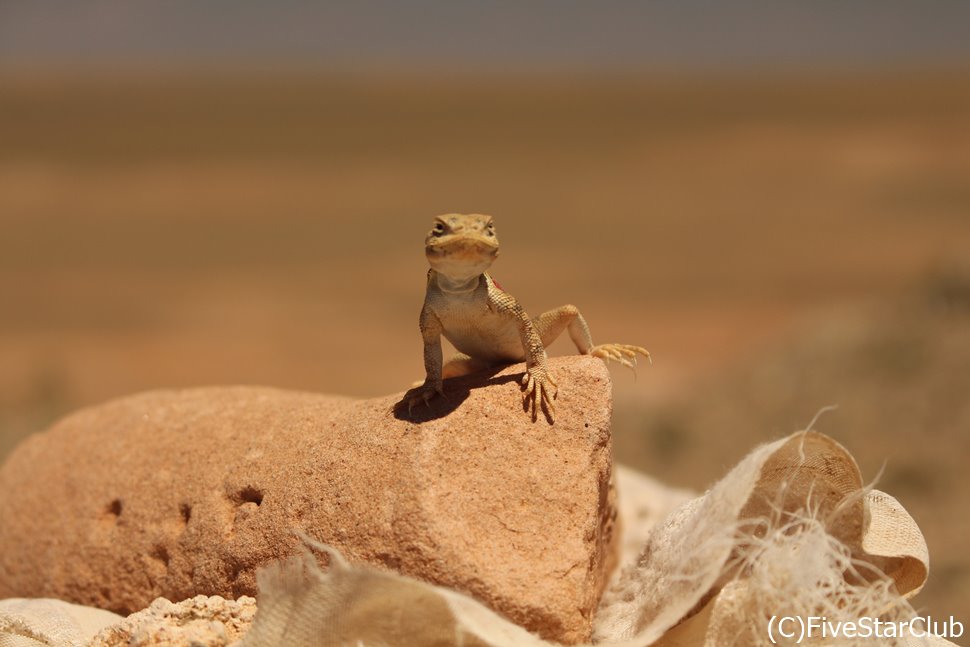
(485, 323)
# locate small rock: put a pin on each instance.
(197, 622)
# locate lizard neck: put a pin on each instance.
(460, 285)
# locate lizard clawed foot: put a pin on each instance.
(625, 354)
(422, 394)
(539, 390)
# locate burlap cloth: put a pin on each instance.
(39, 622)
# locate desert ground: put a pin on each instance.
(779, 244)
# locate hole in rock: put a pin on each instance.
(250, 494)
(186, 511)
(160, 553)
(114, 508)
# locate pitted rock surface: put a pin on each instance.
(180, 493)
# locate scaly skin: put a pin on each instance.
(486, 324)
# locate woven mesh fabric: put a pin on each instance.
(29, 623)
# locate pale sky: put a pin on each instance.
(460, 33)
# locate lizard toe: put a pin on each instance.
(625, 354)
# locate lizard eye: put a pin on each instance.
(438, 229)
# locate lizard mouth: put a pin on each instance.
(460, 247)
(461, 257)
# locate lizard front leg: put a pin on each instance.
(539, 389)
(431, 334)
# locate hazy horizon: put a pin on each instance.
(433, 34)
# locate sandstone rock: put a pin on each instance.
(180, 493)
(198, 622)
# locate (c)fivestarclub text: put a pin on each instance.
(797, 629)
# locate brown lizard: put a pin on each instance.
(485, 323)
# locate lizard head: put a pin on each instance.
(461, 246)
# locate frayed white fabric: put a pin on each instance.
(642, 503)
(50, 623)
(301, 605)
(791, 530)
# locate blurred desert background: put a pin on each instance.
(784, 222)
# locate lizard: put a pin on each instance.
(486, 324)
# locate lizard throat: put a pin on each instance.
(450, 286)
